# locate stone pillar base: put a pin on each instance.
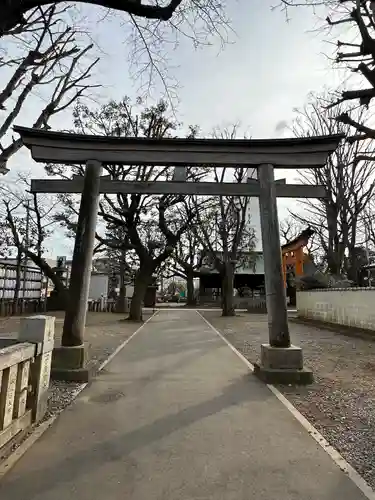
(282, 365)
(69, 363)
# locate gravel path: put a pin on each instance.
(104, 333)
(340, 404)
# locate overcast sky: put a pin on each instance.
(257, 80)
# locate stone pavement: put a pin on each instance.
(176, 415)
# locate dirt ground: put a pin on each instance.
(341, 402)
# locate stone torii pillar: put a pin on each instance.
(69, 359)
(280, 362)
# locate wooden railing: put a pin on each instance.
(25, 366)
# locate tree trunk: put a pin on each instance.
(227, 290)
(191, 300)
(121, 299)
(333, 250)
(354, 264)
(18, 283)
(50, 274)
(80, 276)
(142, 281)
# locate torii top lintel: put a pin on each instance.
(67, 148)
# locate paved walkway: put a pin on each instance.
(177, 416)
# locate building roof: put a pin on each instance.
(301, 239)
(292, 141)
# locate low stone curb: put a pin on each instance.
(348, 331)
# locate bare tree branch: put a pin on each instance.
(41, 227)
(13, 12)
(155, 29)
(52, 61)
(349, 180)
(149, 226)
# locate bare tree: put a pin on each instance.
(120, 261)
(286, 5)
(184, 261)
(355, 52)
(151, 30)
(349, 181)
(8, 250)
(226, 236)
(43, 58)
(150, 226)
(18, 207)
(290, 229)
(6, 238)
(153, 239)
(367, 235)
(358, 55)
(224, 229)
(179, 13)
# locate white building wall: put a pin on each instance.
(347, 306)
(98, 286)
(99, 283)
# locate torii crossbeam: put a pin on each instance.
(280, 361)
(189, 188)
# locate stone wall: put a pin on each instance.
(343, 306)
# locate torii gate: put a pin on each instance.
(280, 361)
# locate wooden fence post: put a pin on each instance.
(8, 391)
(15, 416)
(39, 330)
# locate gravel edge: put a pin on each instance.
(342, 410)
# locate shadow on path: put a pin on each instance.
(119, 447)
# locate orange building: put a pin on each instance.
(294, 255)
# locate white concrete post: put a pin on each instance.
(41, 331)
